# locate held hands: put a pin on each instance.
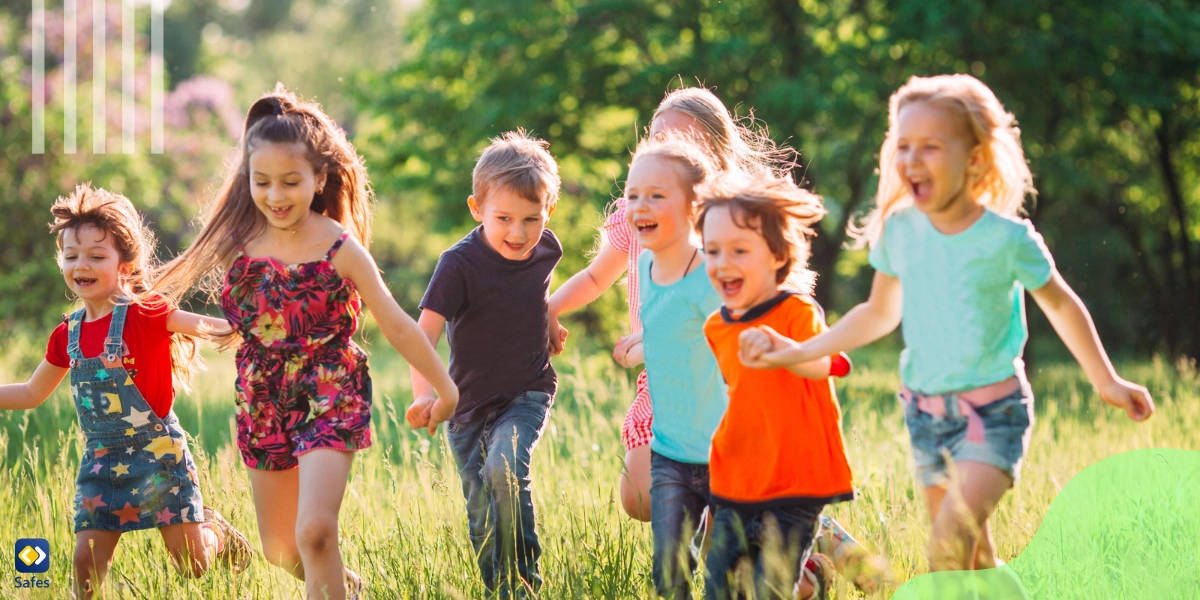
(428, 412)
(629, 351)
(764, 348)
(1132, 398)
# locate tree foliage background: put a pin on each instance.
(1107, 94)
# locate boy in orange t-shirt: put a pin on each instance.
(777, 458)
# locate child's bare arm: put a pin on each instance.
(31, 394)
(201, 326)
(400, 330)
(863, 324)
(431, 325)
(584, 287)
(1071, 320)
(760, 340)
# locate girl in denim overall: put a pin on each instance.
(137, 472)
(954, 261)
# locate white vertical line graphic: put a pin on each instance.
(99, 44)
(156, 76)
(39, 77)
(127, 77)
(70, 24)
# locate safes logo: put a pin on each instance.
(33, 555)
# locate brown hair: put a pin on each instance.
(279, 117)
(114, 215)
(1005, 179)
(693, 164)
(734, 143)
(521, 164)
(780, 211)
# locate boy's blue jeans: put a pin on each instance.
(493, 456)
(678, 495)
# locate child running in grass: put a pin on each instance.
(491, 289)
(689, 394)
(733, 146)
(952, 265)
(777, 457)
(289, 232)
(124, 350)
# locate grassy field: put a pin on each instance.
(403, 523)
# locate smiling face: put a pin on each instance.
(283, 183)
(91, 264)
(739, 263)
(935, 157)
(657, 206)
(512, 224)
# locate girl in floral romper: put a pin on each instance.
(290, 229)
(124, 349)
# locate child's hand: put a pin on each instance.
(558, 336)
(1132, 398)
(629, 353)
(754, 352)
(441, 411)
(419, 413)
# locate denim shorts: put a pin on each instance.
(1007, 424)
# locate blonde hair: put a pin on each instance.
(1005, 179)
(521, 164)
(279, 117)
(114, 215)
(735, 144)
(693, 164)
(780, 211)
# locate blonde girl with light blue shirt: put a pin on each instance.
(952, 262)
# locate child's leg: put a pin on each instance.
(636, 435)
(506, 472)
(678, 495)
(865, 569)
(323, 478)
(276, 494)
(635, 483)
(729, 547)
(93, 556)
(785, 540)
(959, 515)
(192, 547)
(466, 443)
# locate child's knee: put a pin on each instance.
(317, 533)
(280, 554)
(84, 560)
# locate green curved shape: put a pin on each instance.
(1125, 527)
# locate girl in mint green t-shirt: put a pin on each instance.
(952, 263)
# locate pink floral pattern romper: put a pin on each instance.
(302, 382)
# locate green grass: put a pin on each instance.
(403, 525)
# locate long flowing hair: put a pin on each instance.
(1005, 179)
(231, 218)
(734, 143)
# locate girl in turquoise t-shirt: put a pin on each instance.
(686, 388)
(953, 260)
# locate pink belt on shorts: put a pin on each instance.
(968, 401)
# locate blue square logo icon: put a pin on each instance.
(32, 555)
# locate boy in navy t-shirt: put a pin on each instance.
(491, 290)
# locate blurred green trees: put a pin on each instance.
(1108, 96)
